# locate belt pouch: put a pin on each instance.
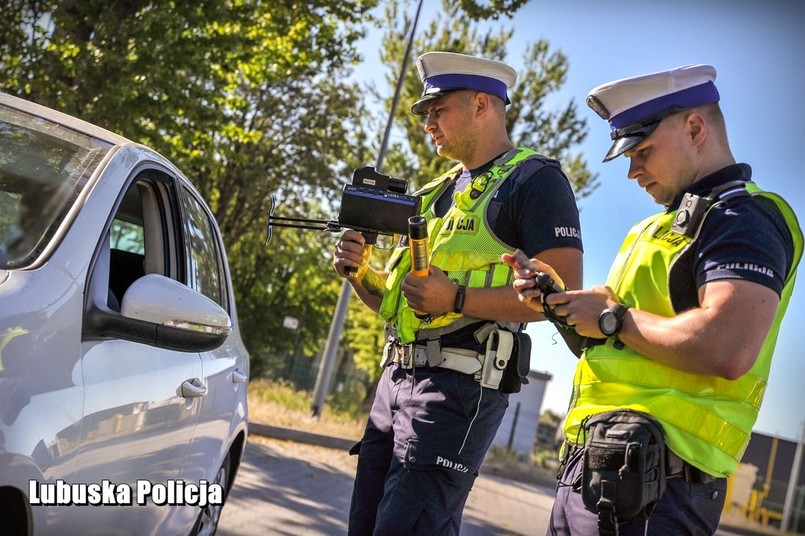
(519, 365)
(623, 474)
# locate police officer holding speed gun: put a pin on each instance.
(455, 346)
(678, 344)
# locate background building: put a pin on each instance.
(518, 431)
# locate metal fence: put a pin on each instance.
(301, 372)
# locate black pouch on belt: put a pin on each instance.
(519, 365)
(623, 475)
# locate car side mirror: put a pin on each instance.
(180, 313)
(161, 312)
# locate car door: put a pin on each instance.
(141, 402)
(226, 367)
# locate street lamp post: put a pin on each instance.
(337, 325)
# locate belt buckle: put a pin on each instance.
(417, 355)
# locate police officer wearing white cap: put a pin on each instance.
(440, 399)
(683, 334)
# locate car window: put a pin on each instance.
(127, 236)
(148, 234)
(43, 167)
(141, 239)
(205, 262)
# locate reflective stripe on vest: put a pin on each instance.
(707, 419)
(461, 244)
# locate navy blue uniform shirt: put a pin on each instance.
(534, 209)
(744, 237)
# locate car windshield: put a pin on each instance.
(43, 167)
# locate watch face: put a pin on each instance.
(609, 323)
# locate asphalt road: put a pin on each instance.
(298, 489)
(294, 489)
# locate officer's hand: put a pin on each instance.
(351, 251)
(434, 294)
(525, 272)
(581, 308)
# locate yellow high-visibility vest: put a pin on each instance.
(460, 243)
(707, 419)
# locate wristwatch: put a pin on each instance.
(610, 321)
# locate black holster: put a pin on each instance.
(519, 365)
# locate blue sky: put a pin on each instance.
(757, 48)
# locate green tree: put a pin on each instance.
(541, 72)
(551, 417)
(493, 9)
(250, 98)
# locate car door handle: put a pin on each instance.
(239, 377)
(193, 388)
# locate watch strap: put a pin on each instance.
(619, 309)
(461, 295)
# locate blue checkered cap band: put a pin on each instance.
(442, 72)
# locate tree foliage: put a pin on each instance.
(460, 27)
(250, 98)
(253, 98)
(494, 10)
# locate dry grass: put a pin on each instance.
(279, 404)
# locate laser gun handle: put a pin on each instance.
(418, 245)
(370, 240)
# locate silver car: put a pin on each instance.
(122, 371)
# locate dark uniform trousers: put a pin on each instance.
(427, 434)
(685, 509)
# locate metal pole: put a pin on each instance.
(328, 356)
(337, 325)
(792, 482)
(514, 427)
(798, 509)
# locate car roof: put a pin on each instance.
(63, 119)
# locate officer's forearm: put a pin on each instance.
(721, 337)
(500, 304)
(370, 288)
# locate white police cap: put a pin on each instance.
(634, 106)
(443, 72)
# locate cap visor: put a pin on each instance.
(625, 143)
(421, 106)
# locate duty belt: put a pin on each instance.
(676, 467)
(487, 367)
(414, 355)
